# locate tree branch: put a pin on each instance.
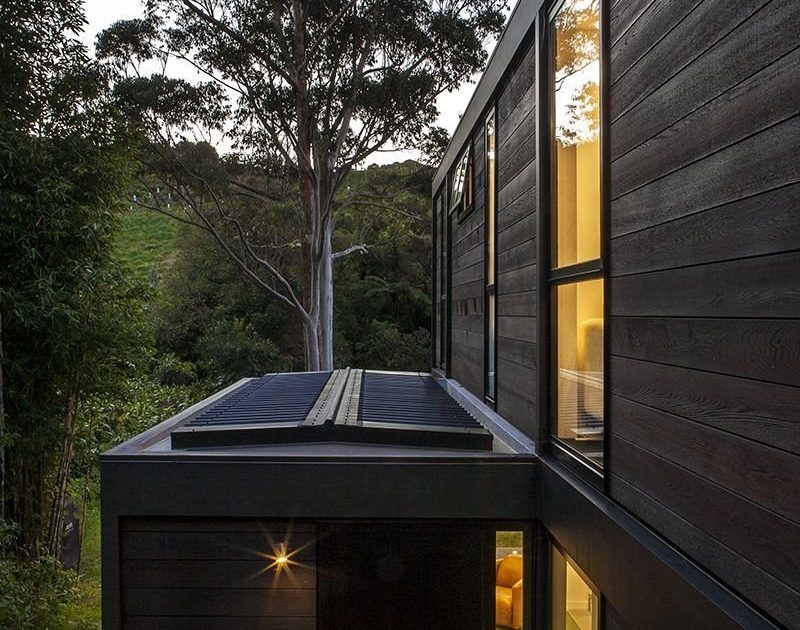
(350, 250)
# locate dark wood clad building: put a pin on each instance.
(645, 236)
(610, 435)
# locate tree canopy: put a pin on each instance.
(304, 92)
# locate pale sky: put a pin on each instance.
(102, 13)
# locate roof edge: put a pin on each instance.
(520, 22)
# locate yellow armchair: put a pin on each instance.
(508, 592)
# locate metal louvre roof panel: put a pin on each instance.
(340, 406)
(389, 398)
(273, 398)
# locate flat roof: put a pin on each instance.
(350, 414)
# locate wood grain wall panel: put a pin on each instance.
(756, 44)
(468, 282)
(760, 101)
(764, 349)
(666, 54)
(517, 90)
(190, 571)
(762, 588)
(709, 451)
(766, 286)
(755, 165)
(704, 266)
(516, 198)
(516, 246)
(768, 539)
(636, 26)
(767, 223)
(764, 412)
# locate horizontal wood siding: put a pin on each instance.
(468, 283)
(516, 246)
(704, 266)
(178, 574)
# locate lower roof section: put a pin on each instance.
(345, 413)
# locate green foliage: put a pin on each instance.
(385, 347)
(212, 317)
(232, 348)
(69, 315)
(383, 298)
(170, 370)
(36, 590)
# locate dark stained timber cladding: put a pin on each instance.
(704, 330)
(768, 223)
(759, 102)
(761, 536)
(468, 289)
(709, 452)
(197, 574)
(698, 30)
(516, 246)
(756, 44)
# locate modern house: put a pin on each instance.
(610, 433)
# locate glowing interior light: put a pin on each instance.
(281, 560)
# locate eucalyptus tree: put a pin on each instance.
(316, 87)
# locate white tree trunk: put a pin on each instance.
(311, 339)
(326, 302)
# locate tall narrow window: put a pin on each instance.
(442, 233)
(491, 262)
(575, 605)
(576, 269)
(509, 584)
(462, 184)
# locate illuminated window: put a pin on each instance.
(575, 605)
(508, 608)
(576, 268)
(579, 367)
(491, 256)
(575, 36)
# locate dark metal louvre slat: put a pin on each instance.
(410, 399)
(277, 398)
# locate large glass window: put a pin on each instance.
(491, 256)
(579, 335)
(575, 606)
(576, 269)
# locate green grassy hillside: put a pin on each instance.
(144, 241)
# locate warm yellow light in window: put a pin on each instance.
(575, 34)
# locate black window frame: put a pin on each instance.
(551, 276)
(490, 287)
(466, 203)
